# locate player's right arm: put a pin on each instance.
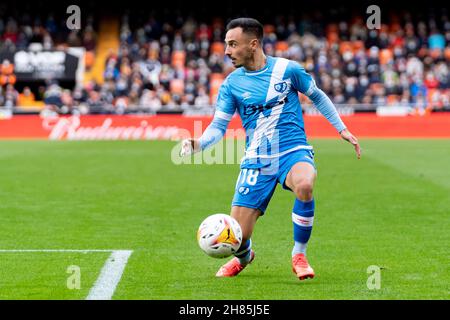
(213, 134)
(225, 109)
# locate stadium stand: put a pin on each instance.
(159, 62)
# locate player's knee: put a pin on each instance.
(304, 190)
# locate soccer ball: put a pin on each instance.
(219, 235)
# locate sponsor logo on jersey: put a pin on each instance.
(251, 109)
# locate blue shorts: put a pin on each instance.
(256, 185)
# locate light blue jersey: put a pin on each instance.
(268, 103)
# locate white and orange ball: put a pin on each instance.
(219, 235)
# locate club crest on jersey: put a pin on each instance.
(280, 87)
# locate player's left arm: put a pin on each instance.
(327, 108)
(304, 83)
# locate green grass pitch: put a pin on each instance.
(391, 209)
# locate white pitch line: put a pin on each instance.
(110, 275)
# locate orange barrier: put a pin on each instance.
(166, 127)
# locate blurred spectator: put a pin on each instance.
(7, 73)
(67, 102)
(89, 38)
(150, 101)
(95, 103)
(73, 40)
(52, 96)
(436, 40)
(202, 99)
(26, 98)
(10, 97)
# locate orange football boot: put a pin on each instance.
(301, 267)
(233, 267)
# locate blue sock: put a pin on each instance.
(302, 218)
(244, 252)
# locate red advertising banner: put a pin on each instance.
(170, 127)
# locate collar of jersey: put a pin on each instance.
(256, 72)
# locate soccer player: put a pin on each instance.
(264, 91)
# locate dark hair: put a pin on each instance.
(248, 25)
